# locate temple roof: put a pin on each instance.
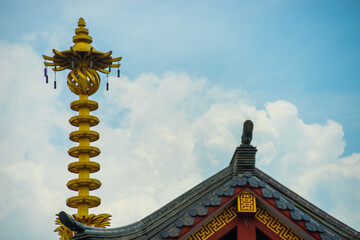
(180, 216)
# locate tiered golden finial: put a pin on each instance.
(83, 80)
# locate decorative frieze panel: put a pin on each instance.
(275, 225)
(215, 224)
(247, 202)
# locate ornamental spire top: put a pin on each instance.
(82, 39)
(84, 61)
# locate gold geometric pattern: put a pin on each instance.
(276, 225)
(215, 224)
(246, 203)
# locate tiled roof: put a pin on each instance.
(327, 231)
(156, 222)
(169, 221)
(182, 212)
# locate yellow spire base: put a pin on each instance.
(83, 80)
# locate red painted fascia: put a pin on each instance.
(199, 220)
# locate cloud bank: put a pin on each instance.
(160, 136)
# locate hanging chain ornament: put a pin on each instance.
(85, 62)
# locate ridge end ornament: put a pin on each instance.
(244, 157)
(247, 133)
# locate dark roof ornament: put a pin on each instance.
(244, 156)
(247, 133)
(71, 223)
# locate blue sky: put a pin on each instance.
(192, 72)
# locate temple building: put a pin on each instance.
(238, 203)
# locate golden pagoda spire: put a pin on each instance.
(83, 80)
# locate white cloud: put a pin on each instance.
(160, 136)
(351, 166)
(44, 41)
(303, 156)
(29, 165)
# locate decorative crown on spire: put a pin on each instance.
(84, 61)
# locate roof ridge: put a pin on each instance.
(303, 202)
